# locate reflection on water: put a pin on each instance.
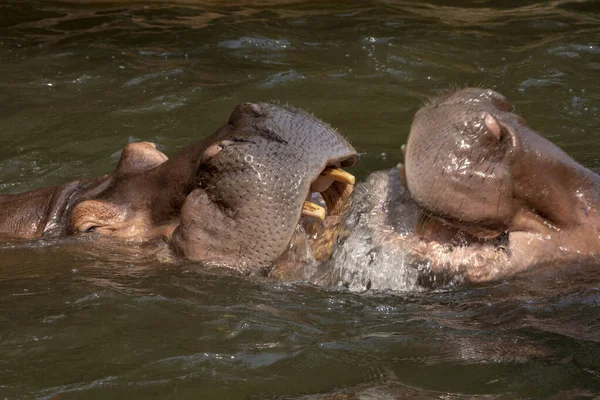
(80, 79)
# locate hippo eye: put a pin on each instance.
(87, 227)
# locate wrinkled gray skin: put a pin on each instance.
(481, 197)
(234, 199)
(250, 196)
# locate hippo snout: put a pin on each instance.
(253, 191)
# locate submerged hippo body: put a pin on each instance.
(481, 197)
(234, 199)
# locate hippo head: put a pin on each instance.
(475, 165)
(253, 181)
(234, 199)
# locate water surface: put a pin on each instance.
(79, 80)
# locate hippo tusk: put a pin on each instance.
(313, 210)
(335, 186)
(338, 174)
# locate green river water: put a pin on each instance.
(80, 79)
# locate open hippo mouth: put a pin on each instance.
(474, 165)
(332, 189)
(334, 185)
(254, 183)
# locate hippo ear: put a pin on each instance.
(139, 156)
(95, 215)
(214, 149)
(498, 131)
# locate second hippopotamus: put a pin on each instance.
(480, 197)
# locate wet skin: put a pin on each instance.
(476, 169)
(481, 197)
(234, 199)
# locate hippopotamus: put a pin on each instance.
(234, 199)
(480, 197)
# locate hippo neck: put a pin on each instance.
(41, 212)
(561, 189)
(585, 189)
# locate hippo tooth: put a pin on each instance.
(313, 210)
(339, 174)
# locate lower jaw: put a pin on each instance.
(312, 243)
